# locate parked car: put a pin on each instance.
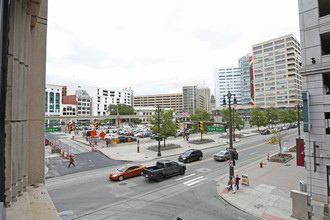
(163, 169)
(265, 132)
(155, 136)
(191, 155)
(222, 155)
(126, 172)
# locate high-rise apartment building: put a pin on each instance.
(227, 79)
(244, 65)
(277, 81)
(204, 95)
(172, 101)
(101, 98)
(315, 37)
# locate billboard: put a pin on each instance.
(300, 152)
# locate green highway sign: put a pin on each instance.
(52, 129)
(220, 129)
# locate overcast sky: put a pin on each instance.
(156, 47)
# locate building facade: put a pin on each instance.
(145, 113)
(101, 98)
(172, 101)
(244, 65)
(204, 95)
(314, 19)
(81, 103)
(53, 100)
(277, 81)
(23, 105)
(227, 79)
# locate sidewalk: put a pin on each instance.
(267, 195)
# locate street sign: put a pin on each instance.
(102, 135)
(230, 163)
(230, 149)
(218, 129)
(93, 133)
(52, 129)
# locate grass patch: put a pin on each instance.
(166, 147)
(199, 141)
(281, 158)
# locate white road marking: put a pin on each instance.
(197, 181)
(185, 177)
(253, 153)
(193, 180)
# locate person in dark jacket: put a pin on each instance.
(71, 161)
(237, 181)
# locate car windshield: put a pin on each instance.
(221, 153)
(122, 169)
(186, 153)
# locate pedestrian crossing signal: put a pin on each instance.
(201, 125)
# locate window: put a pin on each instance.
(257, 47)
(268, 59)
(268, 54)
(268, 49)
(324, 7)
(325, 43)
(270, 98)
(280, 56)
(279, 51)
(326, 83)
(279, 41)
(268, 44)
(279, 46)
(258, 52)
(257, 56)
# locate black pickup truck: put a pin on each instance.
(163, 169)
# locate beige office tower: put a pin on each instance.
(276, 78)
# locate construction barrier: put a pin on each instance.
(67, 156)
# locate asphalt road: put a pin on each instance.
(90, 194)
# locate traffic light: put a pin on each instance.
(70, 126)
(178, 123)
(96, 125)
(235, 155)
(201, 125)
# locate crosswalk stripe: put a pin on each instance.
(195, 182)
(185, 177)
(192, 180)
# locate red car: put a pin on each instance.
(126, 172)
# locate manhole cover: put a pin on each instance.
(146, 157)
(287, 165)
(258, 206)
(122, 184)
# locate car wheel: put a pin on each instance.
(121, 178)
(159, 178)
(200, 158)
(182, 171)
(188, 160)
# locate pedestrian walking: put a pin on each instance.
(71, 161)
(183, 135)
(187, 137)
(237, 182)
(233, 181)
(107, 142)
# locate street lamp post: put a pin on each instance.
(231, 150)
(298, 121)
(158, 121)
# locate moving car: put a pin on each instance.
(265, 132)
(222, 155)
(191, 155)
(126, 172)
(163, 169)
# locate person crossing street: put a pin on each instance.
(71, 161)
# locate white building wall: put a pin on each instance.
(102, 98)
(57, 90)
(227, 79)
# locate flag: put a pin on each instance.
(184, 113)
(252, 102)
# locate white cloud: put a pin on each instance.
(157, 46)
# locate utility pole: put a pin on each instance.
(158, 121)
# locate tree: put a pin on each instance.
(200, 115)
(122, 110)
(258, 117)
(283, 116)
(238, 121)
(167, 126)
(272, 116)
(276, 138)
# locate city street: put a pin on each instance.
(91, 195)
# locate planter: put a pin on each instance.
(203, 141)
(281, 158)
(162, 148)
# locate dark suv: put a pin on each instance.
(191, 155)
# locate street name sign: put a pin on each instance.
(52, 129)
(230, 149)
(219, 129)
